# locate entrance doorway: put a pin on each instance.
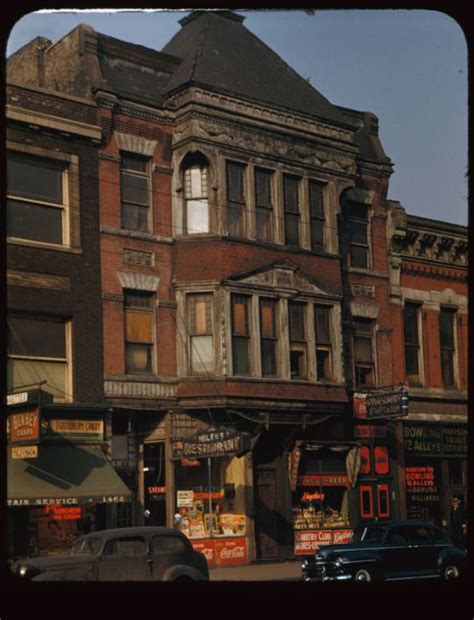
(155, 482)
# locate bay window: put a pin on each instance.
(235, 178)
(196, 213)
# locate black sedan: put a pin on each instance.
(396, 550)
(126, 554)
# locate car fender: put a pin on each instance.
(181, 570)
(370, 561)
(452, 555)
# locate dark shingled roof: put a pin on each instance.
(218, 52)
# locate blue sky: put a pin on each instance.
(409, 67)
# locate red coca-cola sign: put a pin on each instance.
(231, 551)
(207, 547)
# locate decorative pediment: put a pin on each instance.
(286, 278)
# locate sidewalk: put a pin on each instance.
(268, 571)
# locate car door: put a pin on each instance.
(125, 558)
(397, 554)
(425, 551)
(167, 551)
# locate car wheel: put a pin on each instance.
(450, 572)
(184, 578)
(362, 575)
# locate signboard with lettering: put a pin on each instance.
(381, 404)
(422, 490)
(214, 443)
(25, 426)
(336, 480)
(369, 431)
(435, 440)
(307, 542)
(24, 452)
(73, 429)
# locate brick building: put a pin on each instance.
(428, 288)
(246, 284)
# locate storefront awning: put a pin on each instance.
(69, 474)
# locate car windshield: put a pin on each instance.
(368, 534)
(86, 546)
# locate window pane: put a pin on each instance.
(292, 235)
(240, 355)
(240, 315)
(197, 216)
(263, 195)
(138, 299)
(134, 162)
(290, 186)
(202, 354)
(321, 319)
(447, 367)
(366, 501)
(297, 361)
(235, 216)
(22, 372)
(296, 316)
(137, 357)
(363, 349)
(36, 179)
(383, 501)
(34, 222)
(264, 225)
(235, 182)
(316, 199)
(359, 256)
(382, 461)
(411, 360)
(410, 323)
(195, 182)
(357, 232)
(134, 188)
(269, 358)
(364, 375)
(38, 338)
(201, 315)
(267, 318)
(139, 327)
(167, 544)
(356, 210)
(317, 234)
(323, 364)
(446, 328)
(134, 217)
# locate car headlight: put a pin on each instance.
(338, 562)
(22, 571)
(304, 563)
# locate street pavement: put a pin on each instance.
(260, 571)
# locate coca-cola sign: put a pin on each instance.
(231, 551)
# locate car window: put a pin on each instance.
(165, 544)
(438, 536)
(398, 536)
(126, 546)
(86, 546)
(368, 534)
(419, 534)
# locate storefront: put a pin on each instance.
(59, 480)
(435, 469)
(210, 483)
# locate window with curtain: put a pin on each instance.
(37, 350)
(235, 178)
(316, 213)
(298, 351)
(322, 328)
(139, 340)
(264, 204)
(200, 321)
(268, 337)
(135, 192)
(37, 204)
(292, 209)
(240, 334)
(446, 340)
(196, 194)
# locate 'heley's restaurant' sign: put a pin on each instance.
(390, 404)
(214, 443)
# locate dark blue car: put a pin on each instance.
(392, 551)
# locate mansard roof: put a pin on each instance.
(219, 53)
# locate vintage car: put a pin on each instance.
(125, 554)
(395, 550)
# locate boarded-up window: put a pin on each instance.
(268, 335)
(135, 192)
(292, 210)
(263, 204)
(446, 339)
(240, 334)
(316, 210)
(298, 352)
(139, 319)
(235, 178)
(201, 333)
(36, 199)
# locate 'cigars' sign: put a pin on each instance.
(25, 426)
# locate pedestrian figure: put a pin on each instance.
(458, 523)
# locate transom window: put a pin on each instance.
(316, 211)
(264, 204)
(235, 177)
(292, 209)
(200, 319)
(139, 319)
(36, 199)
(135, 192)
(38, 351)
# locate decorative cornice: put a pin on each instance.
(38, 280)
(135, 144)
(138, 281)
(431, 271)
(139, 389)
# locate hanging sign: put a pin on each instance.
(381, 404)
(214, 443)
(25, 426)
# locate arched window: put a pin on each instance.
(195, 170)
